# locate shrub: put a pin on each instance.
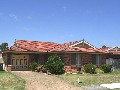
(89, 68)
(54, 65)
(33, 66)
(99, 71)
(106, 68)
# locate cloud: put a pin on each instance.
(13, 16)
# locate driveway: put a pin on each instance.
(40, 81)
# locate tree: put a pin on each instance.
(3, 46)
(103, 46)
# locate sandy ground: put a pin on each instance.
(40, 81)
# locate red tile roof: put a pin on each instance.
(112, 50)
(25, 45)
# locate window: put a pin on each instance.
(73, 59)
(76, 59)
(96, 59)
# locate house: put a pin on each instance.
(113, 56)
(73, 54)
(1, 62)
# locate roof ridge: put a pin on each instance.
(35, 41)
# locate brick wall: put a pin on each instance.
(67, 59)
(86, 58)
(104, 56)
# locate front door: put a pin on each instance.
(19, 62)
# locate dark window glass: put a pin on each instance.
(94, 59)
(73, 59)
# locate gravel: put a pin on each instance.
(41, 81)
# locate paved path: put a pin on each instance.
(112, 85)
(40, 81)
(96, 87)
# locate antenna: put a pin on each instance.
(83, 41)
(15, 42)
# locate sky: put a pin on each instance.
(61, 21)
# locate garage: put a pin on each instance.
(19, 62)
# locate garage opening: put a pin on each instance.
(19, 62)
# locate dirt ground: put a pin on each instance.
(40, 81)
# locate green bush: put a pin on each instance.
(54, 65)
(106, 68)
(89, 68)
(99, 71)
(33, 66)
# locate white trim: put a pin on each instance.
(113, 47)
(82, 42)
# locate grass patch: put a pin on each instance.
(9, 81)
(92, 79)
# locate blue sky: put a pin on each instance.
(97, 21)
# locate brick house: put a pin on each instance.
(112, 56)
(73, 54)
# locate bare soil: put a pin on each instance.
(41, 81)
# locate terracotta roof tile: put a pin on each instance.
(24, 45)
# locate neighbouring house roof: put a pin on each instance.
(37, 46)
(114, 50)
